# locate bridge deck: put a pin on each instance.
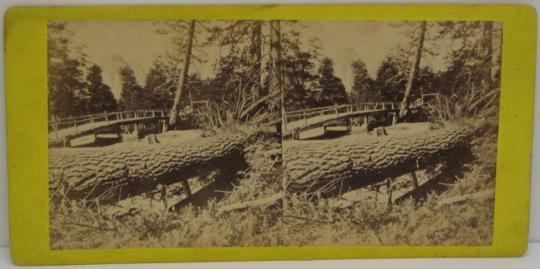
(88, 128)
(310, 118)
(70, 128)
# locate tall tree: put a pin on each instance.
(275, 80)
(100, 97)
(184, 76)
(275, 76)
(299, 68)
(133, 96)
(241, 86)
(473, 68)
(159, 86)
(65, 77)
(412, 72)
(362, 88)
(390, 80)
(257, 53)
(276, 72)
(332, 90)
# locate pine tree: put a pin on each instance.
(159, 86)
(404, 106)
(390, 80)
(133, 96)
(100, 97)
(332, 90)
(65, 76)
(362, 88)
(182, 79)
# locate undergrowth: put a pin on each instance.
(76, 225)
(304, 222)
(422, 222)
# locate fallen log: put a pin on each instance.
(87, 174)
(480, 196)
(328, 168)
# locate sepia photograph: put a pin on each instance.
(390, 133)
(162, 133)
(264, 133)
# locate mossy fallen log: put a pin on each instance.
(327, 168)
(100, 172)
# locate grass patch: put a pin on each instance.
(76, 225)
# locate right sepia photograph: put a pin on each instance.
(389, 132)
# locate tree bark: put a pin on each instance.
(330, 166)
(275, 79)
(89, 173)
(257, 57)
(403, 109)
(182, 79)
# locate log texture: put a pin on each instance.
(91, 172)
(326, 167)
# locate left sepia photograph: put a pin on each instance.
(164, 134)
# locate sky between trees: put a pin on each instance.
(113, 44)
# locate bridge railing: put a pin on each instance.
(336, 110)
(92, 121)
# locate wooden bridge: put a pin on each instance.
(301, 120)
(61, 131)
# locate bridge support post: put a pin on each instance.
(414, 180)
(119, 133)
(394, 118)
(389, 193)
(55, 128)
(67, 142)
(187, 188)
(163, 126)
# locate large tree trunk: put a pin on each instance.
(330, 167)
(182, 79)
(89, 173)
(403, 109)
(274, 74)
(256, 50)
(275, 79)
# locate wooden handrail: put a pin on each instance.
(109, 116)
(318, 110)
